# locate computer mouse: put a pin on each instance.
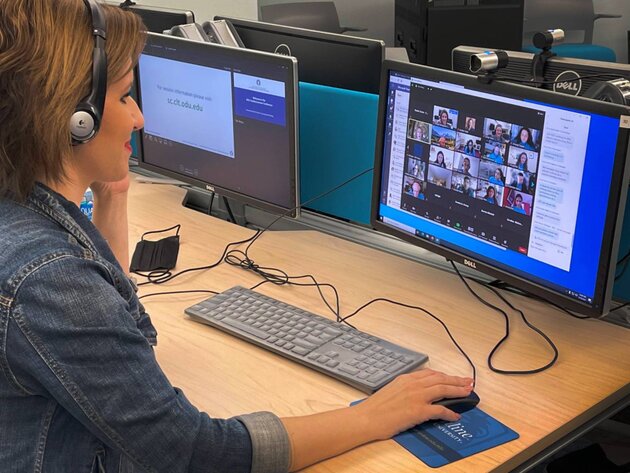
(460, 404)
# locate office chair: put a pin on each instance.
(321, 16)
(569, 15)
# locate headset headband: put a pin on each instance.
(86, 119)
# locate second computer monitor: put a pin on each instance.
(158, 19)
(221, 118)
(334, 60)
(523, 184)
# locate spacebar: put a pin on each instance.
(246, 328)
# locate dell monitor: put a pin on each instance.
(221, 118)
(559, 73)
(520, 183)
(159, 19)
(330, 59)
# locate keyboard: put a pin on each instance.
(349, 355)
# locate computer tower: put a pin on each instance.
(429, 30)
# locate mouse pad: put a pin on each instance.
(440, 443)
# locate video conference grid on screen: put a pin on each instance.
(473, 172)
(492, 169)
(224, 120)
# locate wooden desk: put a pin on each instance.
(225, 376)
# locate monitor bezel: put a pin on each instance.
(291, 64)
(616, 200)
(315, 36)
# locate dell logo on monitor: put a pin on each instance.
(283, 49)
(470, 263)
(566, 83)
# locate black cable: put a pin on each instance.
(551, 82)
(229, 209)
(507, 328)
(277, 276)
(619, 307)
(163, 276)
(497, 283)
(421, 309)
(624, 262)
(178, 292)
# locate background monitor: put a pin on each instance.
(329, 59)
(557, 68)
(539, 201)
(221, 118)
(158, 19)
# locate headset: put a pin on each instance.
(86, 119)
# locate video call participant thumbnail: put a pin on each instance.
(439, 176)
(441, 157)
(465, 184)
(466, 164)
(519, 202)
(489, 193)
(494, 151)
(468, 144)
(443, 116)
(523, 160)
(526, 138)
(444, 137)
(414, 188)
(497, 130)
(417, 130)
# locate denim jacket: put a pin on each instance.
(80, 388)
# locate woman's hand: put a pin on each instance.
(109, 189)
(407, 401)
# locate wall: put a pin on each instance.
(378, 17)
(613, 32)
(375, 15)
(207, 9)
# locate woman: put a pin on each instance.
(524, 139)
(470, 124)
(521, 162)
(490, 196)
(469, 149)
(443, 118)
(80, 387)
(439, 159)
(496, 155)
(518, 204)
(498, 178)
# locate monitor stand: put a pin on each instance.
(211, 203)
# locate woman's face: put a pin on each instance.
(498, 130)
(496, 150)
(469, 145)
(522, 159)
(524, 136)
(490, 191)
(444, 118)
(497, 173)
(440, 157)
(106, 157)
(518, 200)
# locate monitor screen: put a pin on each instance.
(520, 183)
(335, 60)
(221, 118)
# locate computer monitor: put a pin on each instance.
(158, 19)
(520, 183)
(330, 59)
(556, 69)
(221, 118)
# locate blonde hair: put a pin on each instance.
(45, 70)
